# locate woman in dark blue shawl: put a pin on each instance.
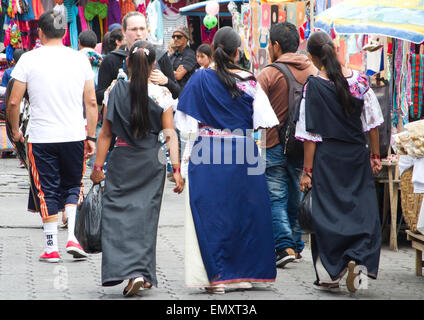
(345, 212)
(230, 243)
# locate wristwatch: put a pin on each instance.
(91, 139)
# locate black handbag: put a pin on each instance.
(304, 213)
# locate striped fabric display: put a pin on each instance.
(416, 108)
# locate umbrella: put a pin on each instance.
(392, 18)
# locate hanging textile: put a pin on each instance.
(417, 68)
(47, 5)
(18, 10)
(38, 8)
(208, 34)
(82, 18)
(73, 30)
(169, 25)
(173, 6)
(402, 78)
(155, 22)
(113, 12)
(93, 9)
(126, 6)
(12, 40)
(25, 29)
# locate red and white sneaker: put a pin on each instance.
(50, 257)
(76, 250)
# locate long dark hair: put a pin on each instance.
(140, 60)
(321, 46)
(225, 44)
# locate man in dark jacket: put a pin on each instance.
(134, 28)
(184, 58)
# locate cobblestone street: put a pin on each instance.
(23, 277)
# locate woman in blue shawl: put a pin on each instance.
(229, 239)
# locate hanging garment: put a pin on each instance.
(416, 109)
(282, 12)
(93, 9)
(47, 5)
(374, 59)
(81, 15)
(291, 13)
(300, 13)
(155, 22)
(38, 8)
(113, 12)
(207, 34)
(126, 6)
(266, 14)
(169, 25)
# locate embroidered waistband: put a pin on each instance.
(121, 142)
(205, 130)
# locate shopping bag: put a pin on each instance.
(88, 225)
(304, 213)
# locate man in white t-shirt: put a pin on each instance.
(59, 80)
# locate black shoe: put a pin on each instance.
(284, 257)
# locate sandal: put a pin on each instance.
(136, 285)
(218, 288)
(323, 286)
(351, 276)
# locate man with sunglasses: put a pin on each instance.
(184, 58)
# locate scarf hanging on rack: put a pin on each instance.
(417, 66)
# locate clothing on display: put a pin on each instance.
(416, 109)
(155, 22)
(169, 25)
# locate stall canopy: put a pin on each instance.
(198, 9)
(392, 18)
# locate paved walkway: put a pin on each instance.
(22, 276)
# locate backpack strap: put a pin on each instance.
(288, 75)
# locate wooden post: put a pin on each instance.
(418, 262)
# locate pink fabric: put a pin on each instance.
(98, 48)
(207, 37)
(67, 39)
(82, 18)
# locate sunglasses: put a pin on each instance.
(177, 36)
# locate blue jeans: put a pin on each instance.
(285, 196)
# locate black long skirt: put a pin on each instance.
(345, 208)
(132, 200)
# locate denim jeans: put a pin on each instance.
(285, 196)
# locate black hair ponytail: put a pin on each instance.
(225, 44)
(140, 61)
(321, 46)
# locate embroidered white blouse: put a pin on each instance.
(371, 116)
